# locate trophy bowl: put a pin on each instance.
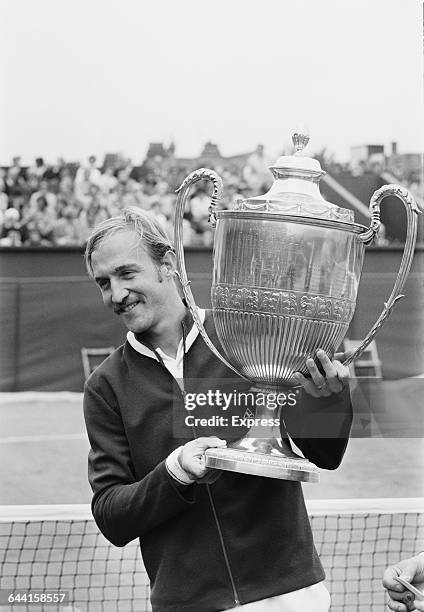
(283, 289)
(286, 272)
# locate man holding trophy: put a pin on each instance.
(237, 536)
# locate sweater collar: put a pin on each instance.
(147, 352)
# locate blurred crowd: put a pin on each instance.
(56, 205)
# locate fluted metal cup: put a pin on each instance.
(286, 272)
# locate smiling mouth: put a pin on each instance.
(126, 309)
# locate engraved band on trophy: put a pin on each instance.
(287, 266)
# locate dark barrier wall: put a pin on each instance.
(49, 309)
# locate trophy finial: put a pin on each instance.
(300, 139)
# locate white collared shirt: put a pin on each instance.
(173, 364)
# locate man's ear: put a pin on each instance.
(168, 264)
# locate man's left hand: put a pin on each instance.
(334, 379)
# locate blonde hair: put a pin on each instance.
(141, 223)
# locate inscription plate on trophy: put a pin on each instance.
(287, 303)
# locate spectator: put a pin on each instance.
(53, 175)
(16, 173)
(82, 187)
(158, 216)
(199, 204)
(256, 171)
(4, 200)
(89, 172)
(44, 193)
(89, 218)
(39, 222)
(16, 185)
(148, 194)
(33, 236)
(188, 231)
(36, 173)
(11, 229)
(166, 197)
(231, 195)
(107, 181)
(66, 230)
(2, 179)
(66, 182)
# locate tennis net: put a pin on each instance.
(59, 548)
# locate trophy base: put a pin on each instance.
(257, 464)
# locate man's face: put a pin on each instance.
(132, 284)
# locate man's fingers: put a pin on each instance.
(326, 363)
(334, 377)
(342, 372)
(212, 442)
(192, 456)
(308, 384)
(319, 380)
(343, 356)
(335, 372)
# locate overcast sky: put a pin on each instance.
(83, 76)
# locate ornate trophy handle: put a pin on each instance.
(367, 238)
(203, 174)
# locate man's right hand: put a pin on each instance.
(192, 458)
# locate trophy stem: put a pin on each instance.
(265, 450)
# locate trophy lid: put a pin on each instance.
(295, 190)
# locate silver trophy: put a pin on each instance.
(286, 272)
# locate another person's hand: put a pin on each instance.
(412, 570)
(192, 459)
(335, 377)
